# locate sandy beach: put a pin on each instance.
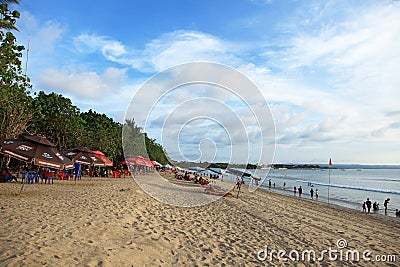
(113, 222)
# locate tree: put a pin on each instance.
(102, 133)
(15, 102)
(155, 151)
(7, 17)
(56, 118)
(133, 139)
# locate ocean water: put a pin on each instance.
(347, 187)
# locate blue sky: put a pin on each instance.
(328, 69)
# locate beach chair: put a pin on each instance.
(49, 176)
(62, 175)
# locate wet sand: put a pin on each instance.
(113, 222)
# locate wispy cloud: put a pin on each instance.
(89, 85)
(165, 51)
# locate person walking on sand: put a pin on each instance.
(238, 184)
(300, 191)
(294, 191)
(364, 207)
(385, 204)
(316, 194)
(312, 193)
(368, 203)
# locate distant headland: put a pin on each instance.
(224, 165)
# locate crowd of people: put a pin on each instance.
(367, 205)
(196, 177)
(314, 194)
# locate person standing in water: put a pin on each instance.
(385, 204)
(294, 191)
(300, 191)
(316, 194)
(312, 193)
(368, 203)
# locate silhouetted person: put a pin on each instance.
(369, 204)
(316, 194)
(294, 191)
(312, 193)
(364, 207)
(385, 204)
(375, 206)
(300, 191)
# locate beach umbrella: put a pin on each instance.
(138, 160)
(106, 161)
(84, 156)
(36, 149)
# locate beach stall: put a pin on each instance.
(139, 164)
(36, 149)
(39, 151)
(107, 162)
(85, 156)
(101, 155)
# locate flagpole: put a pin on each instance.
(329, 175)
(329, 185)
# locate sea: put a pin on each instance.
(340, 186)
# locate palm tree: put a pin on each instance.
(9, 1)
(6, 24)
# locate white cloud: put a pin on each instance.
(168, 50)
(111, 49)
(89, 85)
(43, 37)
(346, 72)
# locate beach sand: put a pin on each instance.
(112, 222)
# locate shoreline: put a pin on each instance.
(353, 205)
(111, 221)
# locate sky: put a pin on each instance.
(328, 71)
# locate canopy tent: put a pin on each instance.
(106, 161)
(36, 149)
(168, 166)
(155, 163)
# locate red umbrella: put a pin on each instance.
(36, 149)
(100, 154)
(139, 160)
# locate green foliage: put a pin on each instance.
(15, 102)
(133, 139)
(102, 133)
(155, 151)
(56, 118)
(8, 18)
(138, 143)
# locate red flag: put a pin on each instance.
(330, 163)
